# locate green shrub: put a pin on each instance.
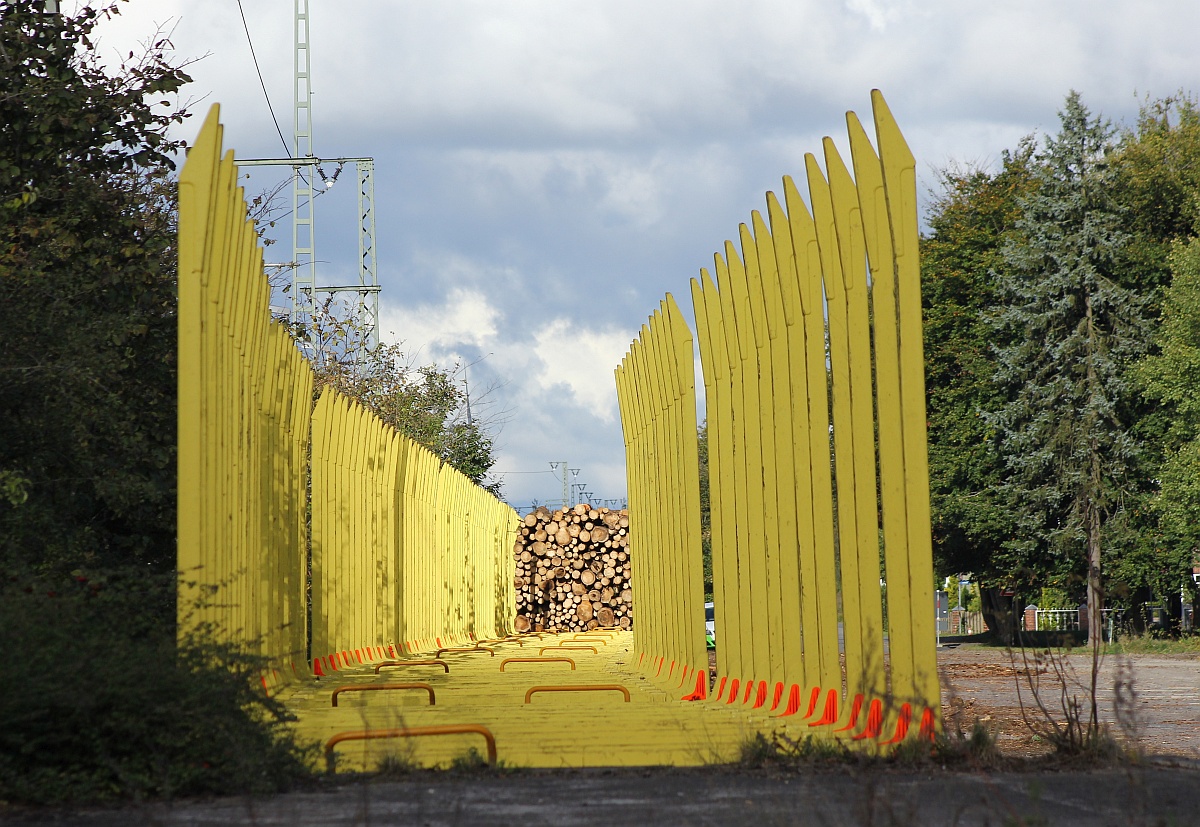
(99, 702)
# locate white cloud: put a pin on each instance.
(464, 319)
(583, 361)
(552, 374)
(879, 13)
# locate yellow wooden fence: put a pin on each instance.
(657, 395)
(406, 551)
(381, 503)
(809, 333)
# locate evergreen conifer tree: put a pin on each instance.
(1068, 330)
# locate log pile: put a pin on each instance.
(573, 570)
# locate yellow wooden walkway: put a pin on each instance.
(550, 728)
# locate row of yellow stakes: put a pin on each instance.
(406, 549)
(408, 553)
(811, 344)
(657, 395)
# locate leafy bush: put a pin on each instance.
(102, 704)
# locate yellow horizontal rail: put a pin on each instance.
(441, 652)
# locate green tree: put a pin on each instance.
(1157, 182)
(87, 274)
(970, 221)
(1172, 377)
(427, 403)
(112, 706)
(1156, 178)
(1069, 330)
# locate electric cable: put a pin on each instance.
(261, 82)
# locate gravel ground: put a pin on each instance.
(1151, 702)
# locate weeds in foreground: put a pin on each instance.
(779, 749)
(394, 766)
(974, 750)
(1060, 707)
(472, 763)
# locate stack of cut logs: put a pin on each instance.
(573, 570)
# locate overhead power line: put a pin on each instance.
(261, 82)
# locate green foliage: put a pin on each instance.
(1069, 329)
(1155, 645)
(105, 706)
(780, 749)
(1148, 193)
(1172, 377)
(970, 221)
(426, 403)
(1157, 180)
(705, 510)
(14, 488)
(87, 270)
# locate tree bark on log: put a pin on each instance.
(573, 570)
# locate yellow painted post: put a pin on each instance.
(771, 634)
(757, 420)
(321, 523)
(739, 565)
(705, 304)
(732, 609)
(842, 387)
(899, 172)
(818, 572)
(787, 565)
(195, 195)
(798, 577)
(692, 591)
(862, 583)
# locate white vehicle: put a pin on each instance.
(710, 625)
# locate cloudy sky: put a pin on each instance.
(547, 169)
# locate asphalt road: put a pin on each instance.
(1147, 796)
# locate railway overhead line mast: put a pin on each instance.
(306, 170)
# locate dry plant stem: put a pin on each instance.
(1071, 734)
(1125, 704)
